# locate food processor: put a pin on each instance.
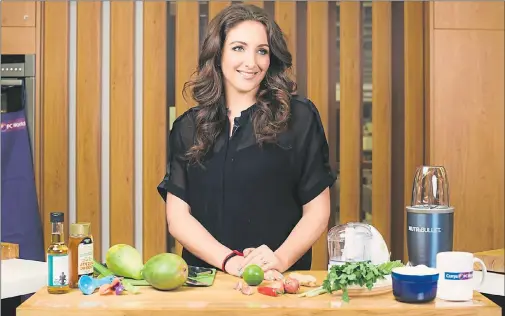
(356, 242)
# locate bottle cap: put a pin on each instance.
(57, 217)
(80, 229)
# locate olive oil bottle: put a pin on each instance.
(57, 257)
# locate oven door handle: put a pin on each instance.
(11, 82)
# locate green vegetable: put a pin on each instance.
(124, 260)
(355, 273)
(138, 282)
(102, 271)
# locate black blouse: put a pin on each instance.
(249, 195)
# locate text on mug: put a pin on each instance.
(458, 275)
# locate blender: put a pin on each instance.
(430, 218)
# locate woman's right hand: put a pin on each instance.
(234, 265)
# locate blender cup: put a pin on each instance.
(430, 218)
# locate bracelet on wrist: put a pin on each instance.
(229, 256)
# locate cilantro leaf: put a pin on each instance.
(340, 277)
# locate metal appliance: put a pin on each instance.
(430, 218)
(18, 88)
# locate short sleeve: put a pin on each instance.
(315, 174)
(175, 180)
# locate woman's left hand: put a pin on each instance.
(264, 257)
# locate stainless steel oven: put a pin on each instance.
(18, 88)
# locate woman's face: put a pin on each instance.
(245, 57)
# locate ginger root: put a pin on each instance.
(304, 279)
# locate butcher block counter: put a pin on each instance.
(222, 299)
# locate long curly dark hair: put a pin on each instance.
(207, 85)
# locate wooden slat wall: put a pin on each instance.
(397, 130)
(186, 54)
(54, 175)
(285, 16)
(186, 57)
(154, 126)
(38, 101)
(382, 118)
(317, 90)
(256, 3)
(216, 6)
(121, 166)
(414, 96)
(350, 111)
(88, 118)
(428, 38)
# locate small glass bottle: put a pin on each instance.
(80, 250)
(57, 257)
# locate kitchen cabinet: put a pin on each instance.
(19, 40)
(18, 13)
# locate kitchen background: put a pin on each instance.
(397, 85)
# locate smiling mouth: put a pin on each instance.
(247, 74)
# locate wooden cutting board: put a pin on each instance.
(221, 299)
(493, 259)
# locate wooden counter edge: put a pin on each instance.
(10, 251)
(482, 311)
(444, 308)
(493, 259)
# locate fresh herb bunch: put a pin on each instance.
(356, 273)
(353, 273)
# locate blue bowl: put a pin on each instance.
(415, 284)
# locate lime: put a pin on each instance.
(253, 275)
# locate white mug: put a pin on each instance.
(456, 281)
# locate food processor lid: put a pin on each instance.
(351, 241)
(349, 230)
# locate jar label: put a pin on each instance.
(58, 270)
(85, 257)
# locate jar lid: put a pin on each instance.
(80, 229)
(57, 217)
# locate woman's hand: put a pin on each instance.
(264, 257)
(233, 266)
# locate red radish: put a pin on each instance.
(291, 285)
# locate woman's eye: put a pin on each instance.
(238, 48)
(263, 52)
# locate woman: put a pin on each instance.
(248, 173)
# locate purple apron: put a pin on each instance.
(21, 222)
